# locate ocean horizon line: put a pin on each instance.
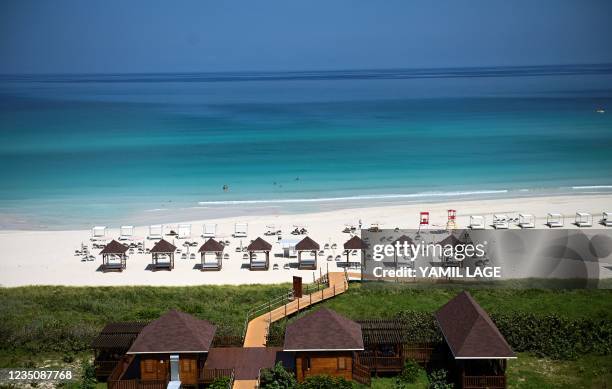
(317, 74)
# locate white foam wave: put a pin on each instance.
(592, 187)
(352, 198)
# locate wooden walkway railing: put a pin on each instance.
(482, 382)
(257, 328)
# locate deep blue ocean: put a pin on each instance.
(79, 150)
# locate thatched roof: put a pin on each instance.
(355, 243)
(114, 247)
(259, 245)
(307, 244)
(211, 245)
(163, 246)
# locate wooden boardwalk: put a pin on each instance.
(257, 329)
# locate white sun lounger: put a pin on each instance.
(526, 220)
(209, 230)
(98, 233)
(156, 232)
(554, 220)
(583, 219)
(240, 230)
(477, 222)
(500, 222)
(184, 231)
(607, 218)
(126, 233)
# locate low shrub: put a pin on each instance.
(410, 372)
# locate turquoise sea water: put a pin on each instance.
(79, 150)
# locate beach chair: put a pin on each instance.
(126, 233)
(526, 220)
(606, 218)
(500, 222)
(583, 219)
(240, 230)
(156, 232)
(98, 233)
(184, 231)
(554, 220)
(477, 223)
(209, 230)
(270, 230)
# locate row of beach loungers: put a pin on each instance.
(553, 220)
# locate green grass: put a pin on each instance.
(529, 372)
(378, 300)
(50, 321)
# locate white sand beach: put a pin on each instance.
(47, 257)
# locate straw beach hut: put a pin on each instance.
(307, 244)
(355, 243)
(259, 246)
(162, 255)
(114, 257)
(214, 248)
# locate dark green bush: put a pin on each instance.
(410, 372)
(220, 383)
(325, 382)
(277, 378)
(544, 335)
(438, 379)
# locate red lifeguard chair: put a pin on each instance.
(423, 220)
(451, 219)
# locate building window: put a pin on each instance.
(341, 363)
(306, 363)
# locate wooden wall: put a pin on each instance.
(336, 363)
(157, 367)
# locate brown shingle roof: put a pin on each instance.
(259, 245)
(451, 240)
(355, 243)
(403, 239)
(246, 361)
(176, 332)
(307, 244)
(323, 330)
(118, 335)
(114, 247)
(469, 331)
(163, 246)
(211, 245)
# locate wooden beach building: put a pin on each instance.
(259, 246)
(324, 342)
(307, 245)
(114, 257)
(162, 255)
(211, 255)
(477, 348)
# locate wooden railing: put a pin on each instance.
(361, 374)
(381, 363)
(120, 368)
(484, 381)
(104, 368)
(419, 353)
(137, 384)
(209, 375)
